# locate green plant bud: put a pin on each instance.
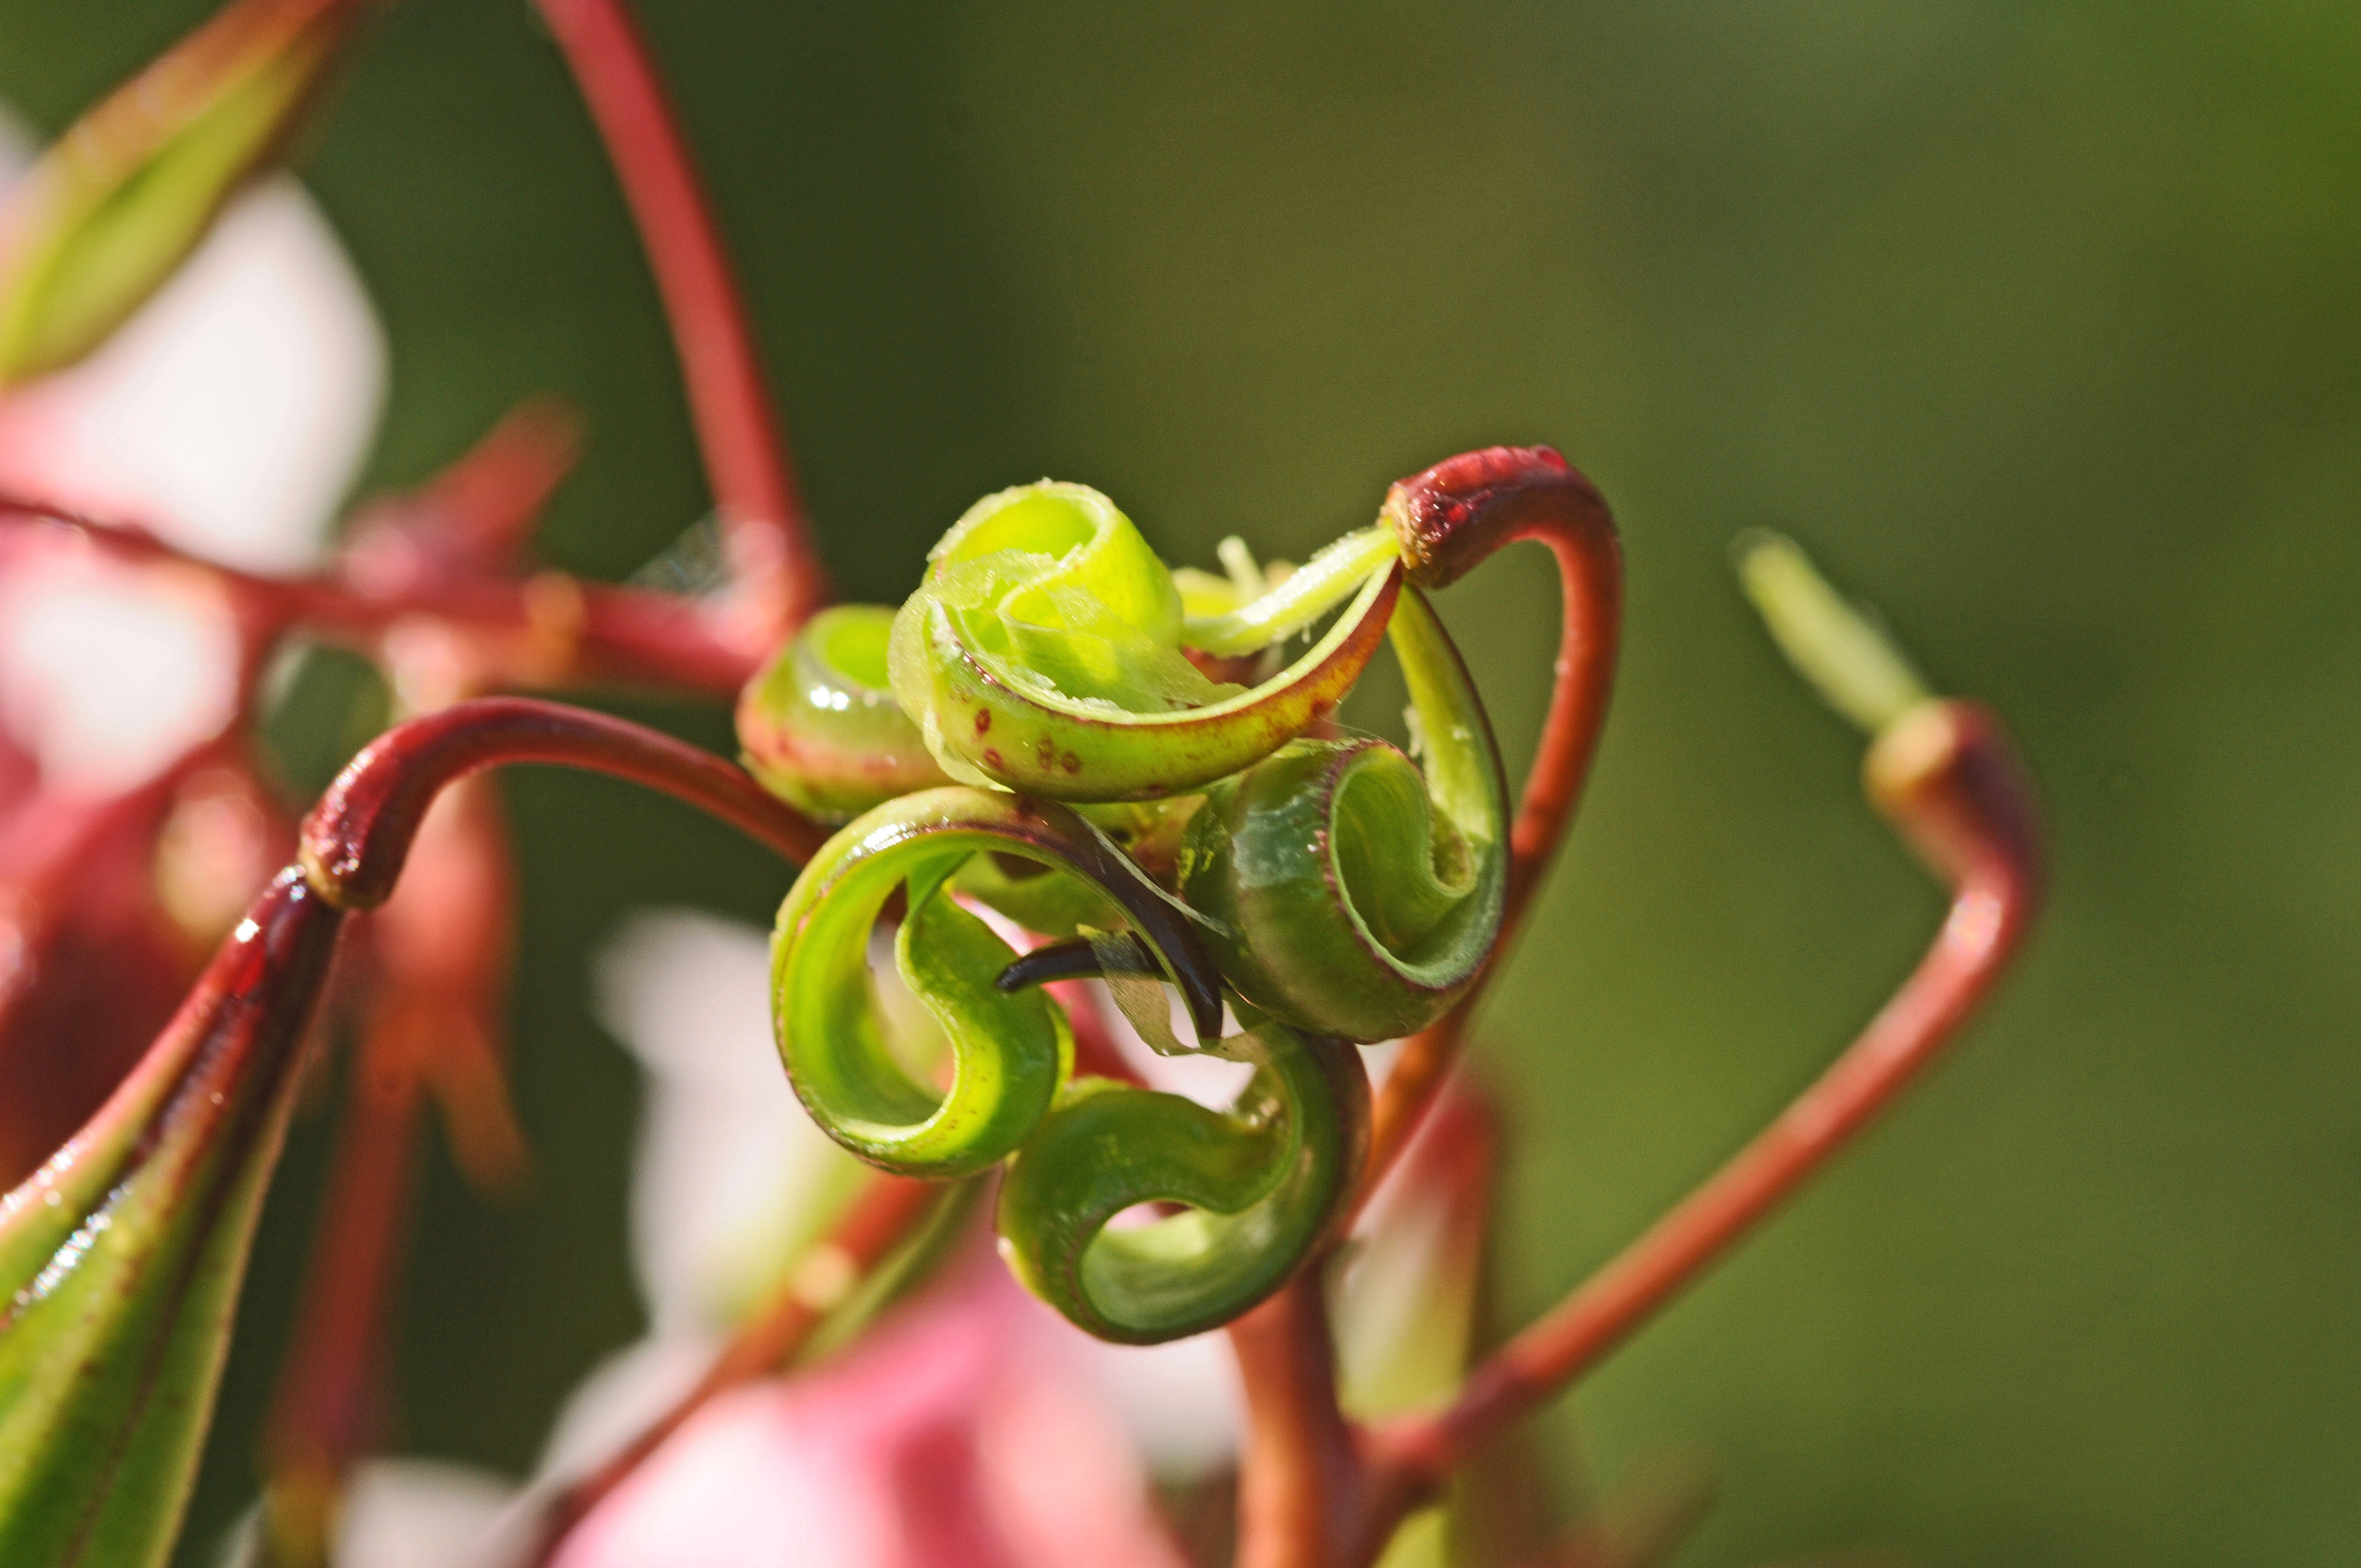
(1043, 653)
(820, 725)
(1010, 1049)
(1344, 891)
(120, 1259)
(1263, 1182)
(127, 193)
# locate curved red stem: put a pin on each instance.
(1452, 516)
(884, 1215)
(1948, 780)
(354, 841)
(737, 426)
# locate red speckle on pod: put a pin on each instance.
(982, 719)
(992, 760)
(1070, 763)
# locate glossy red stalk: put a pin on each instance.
(438, 957)
(1307, 1498)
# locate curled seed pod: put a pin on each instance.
(819, 724)
(1344, 891)
(1043, 652)
(1010, 1050)
(1035, 896)
(1263, 1181)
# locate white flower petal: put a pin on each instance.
(232, 411)
(725, 1151)
(107, 671)
(418, 1513)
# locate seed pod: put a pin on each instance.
(1263, 1182)
(1010, 1050)
(107, 215)
(120, 1259)
(819, 724)
(1344, 891)
(1042, 653)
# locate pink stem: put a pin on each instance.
(548, 630)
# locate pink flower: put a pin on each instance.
(967, 1431)
(227, 415)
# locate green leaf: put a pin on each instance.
(122, 1257)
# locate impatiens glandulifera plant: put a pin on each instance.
(1058, 758)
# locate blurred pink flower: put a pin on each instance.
(228, 415)
(969, 1431)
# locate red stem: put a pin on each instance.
(1946, 777)
(737, 426)
(354, 841)
(326, 1411)
(1307, 1498)
(1450, 518)
(1303, 1489)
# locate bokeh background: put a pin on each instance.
(2038, 323)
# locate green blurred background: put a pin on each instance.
(2038, 323)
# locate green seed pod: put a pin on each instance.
(1344, 893)
(1010, 1050)
(820, 726)
(1042, 653)
(1263, 1182)
(121, 1258)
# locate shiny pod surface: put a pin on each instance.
(819, 724)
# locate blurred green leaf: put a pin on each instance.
(107, 215)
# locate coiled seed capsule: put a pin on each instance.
(1010, 1050)
(819, 724)
(1263, 1181)
(1042, 653)
(1346, 892)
